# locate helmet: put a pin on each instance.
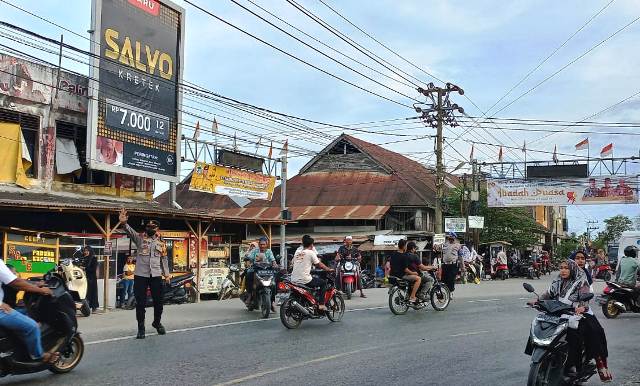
(631, 251)
(452, 235)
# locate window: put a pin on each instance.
(30, 125)
(78, 134)
(144, 184)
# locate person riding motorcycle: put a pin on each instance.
(21, 325)
(415, 265)
(303, 261)
(260, 254)
(400, 268)
(568, 287)
(627, 269)
(349, 250)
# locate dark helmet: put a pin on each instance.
(631, 251)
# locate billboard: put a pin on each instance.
(134, 119)
(551, 171)
(231, 182)
(455, 224)
(591, 191)
(476, 222)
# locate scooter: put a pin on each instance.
(603, 272)
(181, 289)
(548, 346)
(501, 271)
(348, 276)
(264, 283)
(229, 287)
(616, 299)
(301, 303)
(59, 331)
(76, 280)
(400, 289)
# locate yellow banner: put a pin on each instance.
(231, 182)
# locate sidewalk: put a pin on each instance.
(117, 323)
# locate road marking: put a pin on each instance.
(117, 339)
(483, 300)
(469, 333)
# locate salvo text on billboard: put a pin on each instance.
(588, 191)
(134, 117)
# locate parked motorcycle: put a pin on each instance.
(301, 303)
(59, 331)
(367, 280)
(399, 303)
(229, 287)
(181, 289)
(348, 275)
(603, 272)
(548, 346)
(76, 278)
(264, 282)
(500, 271)
(616, 299)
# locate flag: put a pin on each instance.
(524, 147)
(583, 145)
(607, 150)
(258, 144)
(285, 147)
(271, 149)
(500, 154)
(555, 154)
(196, 133)
(214, 126)
(471, 154)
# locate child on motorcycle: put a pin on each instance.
(567, 288)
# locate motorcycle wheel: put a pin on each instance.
(398, 301)
(609, 310)
(68, 362)
(607, 276)
(85, 309)
(289, 317)
(544, 373)
(335, 308)
(471, 277)
(440, 297)
(265, 304)
(193, 295)
(348, 291)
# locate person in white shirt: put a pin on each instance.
(303, 261)
(21, 325)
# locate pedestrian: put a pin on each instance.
(152, 267)
(464, 258)
(387, 269)
(127, 279)
(90, 264)
(450, 265)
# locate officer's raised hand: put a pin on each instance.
(123, 216)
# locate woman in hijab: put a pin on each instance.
(90, 267)
(568, 287)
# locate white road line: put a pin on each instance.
(469, 333)
(117, 339)
(483, 300)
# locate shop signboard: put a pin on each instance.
(31, 254)
(582, 191)
(134, 119)
(455, 224)
(438, 239)
(388, 240)
(211, 279)
(231, 182)
(476, 222)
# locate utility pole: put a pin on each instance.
(439, 111)
(284, 213)
(591, 226)
(475, 200)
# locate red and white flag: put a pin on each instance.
(555, 153)
(285, 147)
(471, 154)
(500, 155)
(196, 133)
(607, 150)
(271, 149)
(583, 145)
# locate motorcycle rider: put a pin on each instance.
(400, 268)
(303, 261)
(627, 270)
(21, 325)
(152, 266)
(346, 250)
(415, 265)
(261, 254)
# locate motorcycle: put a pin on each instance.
(229, 287)
(500, 271)
(400, 289)
(616, 299)
(301, 303)
(533, 270)
(77, 284)
(348, 276)
(367, 280)
(548, 346)
(181, 289)
(59, 331)
(603, 272)
(264, 283)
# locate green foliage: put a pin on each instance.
(614, 226)
(515, 225)
(566, 247)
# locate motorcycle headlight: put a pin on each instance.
(266, 283)
(545, 341)
(348, 266)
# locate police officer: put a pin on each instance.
(152, 267)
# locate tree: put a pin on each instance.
(515, 225)
(636, 222)
(614, 226)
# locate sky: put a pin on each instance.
(485, 47)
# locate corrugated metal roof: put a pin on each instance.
(324, 212)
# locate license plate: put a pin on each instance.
(280, 298)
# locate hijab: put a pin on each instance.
(570, 287)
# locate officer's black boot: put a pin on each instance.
(159, 327)
(140, 331)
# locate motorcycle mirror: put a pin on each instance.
(528, 287)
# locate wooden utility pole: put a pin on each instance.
(439, 165)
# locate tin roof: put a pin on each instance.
(327, 212)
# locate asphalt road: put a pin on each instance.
(479, 340)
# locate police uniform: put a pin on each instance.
(151, 265)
